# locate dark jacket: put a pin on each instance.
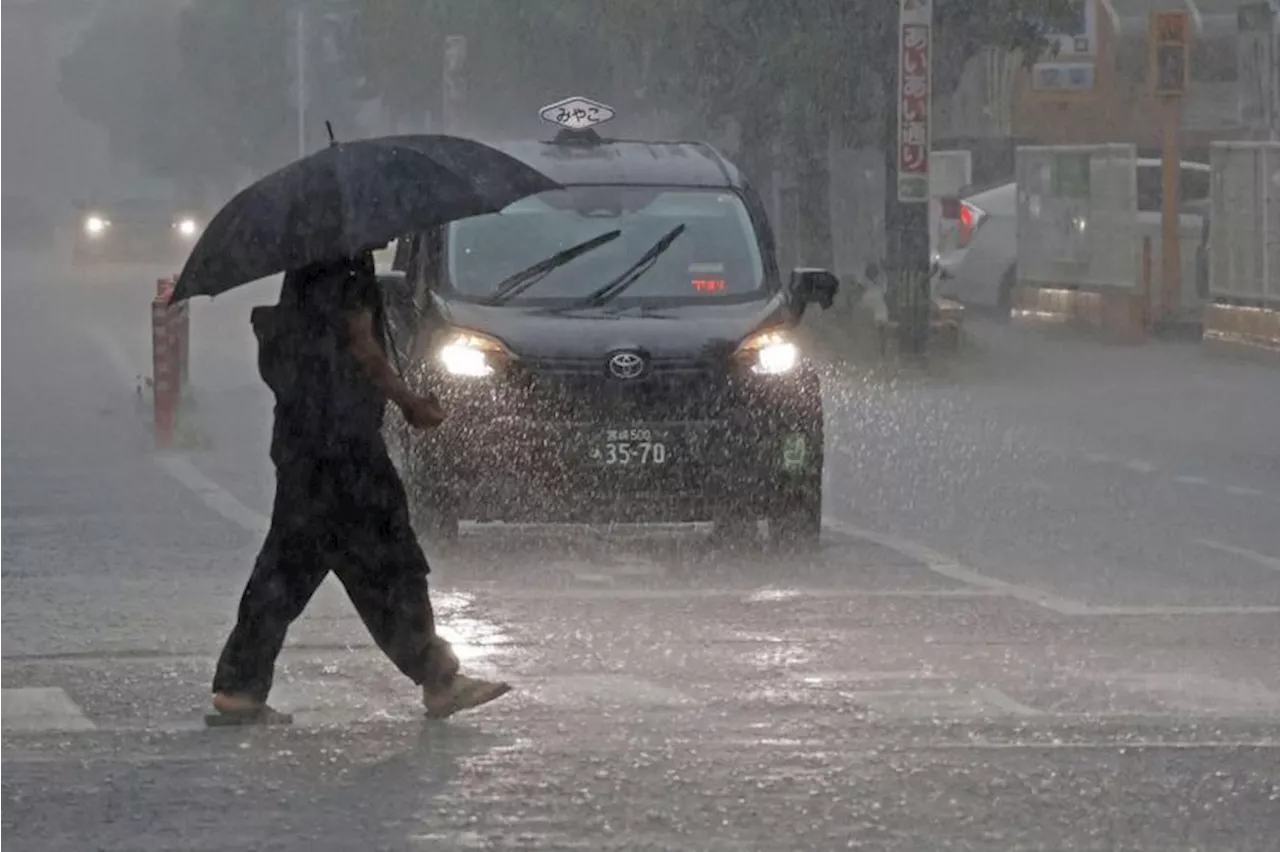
(326, 406)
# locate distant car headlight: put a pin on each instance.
(770, 353)
(94, 226)
(470, 354)
(187, 227)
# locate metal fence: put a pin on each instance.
(1077, 216)
(1244, 227)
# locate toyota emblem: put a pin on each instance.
(626, 365)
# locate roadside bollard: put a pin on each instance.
(169, 350)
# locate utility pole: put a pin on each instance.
(907, 190)
(300, 43)
(1258, 64)
(454, 83)
(1169, 59)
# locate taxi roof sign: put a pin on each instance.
(576, 113)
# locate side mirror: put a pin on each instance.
(814, 285)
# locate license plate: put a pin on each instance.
(639, 446)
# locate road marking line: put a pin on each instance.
(932, 702)
(1182, 610)
(1004, 701)
(577, 690)
(589, 577)
(1191, 480)
(949, 568)
(184, 472)
(867, 676)
(1124, 745)
(747, 595)
(1243, 552)
(213, 495)
(1241, 491)
(940, 564)
(128, 369)
(1140, 466)
(42, 708)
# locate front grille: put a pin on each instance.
(581, 390)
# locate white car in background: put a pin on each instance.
(982, 272)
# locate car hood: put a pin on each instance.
(666, 332)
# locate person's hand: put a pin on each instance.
(424, 412)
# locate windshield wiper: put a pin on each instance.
(514, 285)
(632, 274)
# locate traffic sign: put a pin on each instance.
(1169, 53)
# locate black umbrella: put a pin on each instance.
(347, 199)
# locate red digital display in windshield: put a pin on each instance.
(708, 285)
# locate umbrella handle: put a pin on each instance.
(329, 127)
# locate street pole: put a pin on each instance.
(454, 85)
(1169, 31)
(907, 190)
(1258, 66)
(300, 40)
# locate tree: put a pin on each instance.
(787, 71)
(516, 51)
(126, 77)
(238, 70)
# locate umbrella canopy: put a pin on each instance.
(349, 198)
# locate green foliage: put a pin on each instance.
(126, 77)
(207, 87)
(238, 71)
(395, 48)
(718, 56)
(196, 91)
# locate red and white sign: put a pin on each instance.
(915, 83)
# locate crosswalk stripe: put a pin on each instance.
(41, 708)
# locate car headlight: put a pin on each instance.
(770, 353)
(95, 225)
(187, 227)
(470, 354)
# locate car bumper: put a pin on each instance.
(592, 471)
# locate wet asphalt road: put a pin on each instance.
(1045, 617)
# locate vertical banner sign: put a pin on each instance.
(915, 18)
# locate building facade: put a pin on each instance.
(1103, 92)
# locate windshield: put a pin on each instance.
(716, 256)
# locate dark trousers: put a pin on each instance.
(348, 515)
